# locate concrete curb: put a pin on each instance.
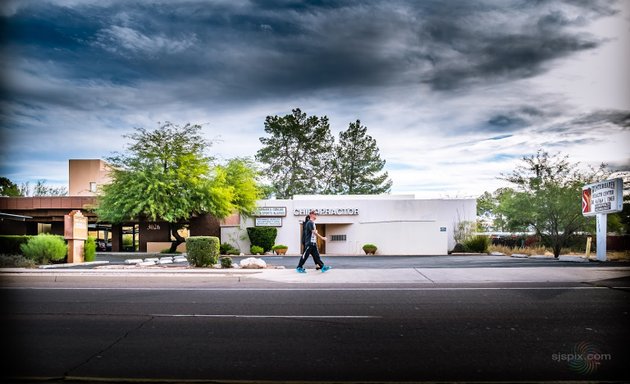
(428, 276)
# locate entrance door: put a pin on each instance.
(321, 244)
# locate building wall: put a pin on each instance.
(84, 172)
(396, 224)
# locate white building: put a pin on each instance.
(396, 224)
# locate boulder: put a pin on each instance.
(253, 263)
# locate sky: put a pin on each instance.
(454, 92)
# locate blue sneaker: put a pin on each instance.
(300, 270)
(325, 268)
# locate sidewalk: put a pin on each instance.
(427, 276)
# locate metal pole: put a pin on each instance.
(601, 236)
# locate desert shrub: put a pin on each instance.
(226, 262)
(228, 249)
(89, 249)
(256, 250)
(478, 244)
(44, 248)
(202, 251)
(459, 248)
(264, 237)
(16, 261)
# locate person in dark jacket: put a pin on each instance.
(309, 239)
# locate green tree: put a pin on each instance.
(491, 211)
(297, 153)
(358, 167)
(9, 188)
(165, 175)
(41, 189)
(547, 197)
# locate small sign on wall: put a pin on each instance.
(271, 211)
(268, 222)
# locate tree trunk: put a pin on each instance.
(178, 238)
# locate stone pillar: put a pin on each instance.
(76, 232)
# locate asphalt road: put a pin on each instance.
(223, 330)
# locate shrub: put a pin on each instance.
(263, 237)
(44, 248)
(256, 250)
(477, 244)
(89, 249)
(280, 248)
(226, 262)
(459, 248)
(228, 249)
(10, 244)
(16, 261)
(369, 248)
(202, 251)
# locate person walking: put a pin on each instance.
(309, 240)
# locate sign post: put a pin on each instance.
(75, 228)
(600, 199)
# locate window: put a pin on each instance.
(92, 186)
(338, 238)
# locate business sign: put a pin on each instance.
(271, 211)
(268, 221)
(327, 211)
(603, 197)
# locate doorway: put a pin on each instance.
(321, 244)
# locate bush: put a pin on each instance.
(44, 248)
(264, 237)
(226, 262)
(459, 248)
(369, 248)
(16, 261)
(478, 244)
(89, 249)
(256, 250)
(280, 248)
(202, 251)
(10, 244)
(228, 249)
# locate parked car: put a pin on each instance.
(103, 246)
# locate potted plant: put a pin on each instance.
(280, 249)
(369, 249)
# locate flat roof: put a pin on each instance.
(10, 216)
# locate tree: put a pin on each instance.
(166, 176)
(9, 188)
(491, 211)
(297, 154)
(41, 189)
(358, 164)
(547, 197)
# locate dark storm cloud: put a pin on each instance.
(241, 50)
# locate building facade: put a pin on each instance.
(396, 224)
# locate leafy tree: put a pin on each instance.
(547, 197)
(9, 188)
(491, 209)
(165, 175)
(297, 154)
(41, 189)
(358, 164)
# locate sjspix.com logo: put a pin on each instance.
(585, 358)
